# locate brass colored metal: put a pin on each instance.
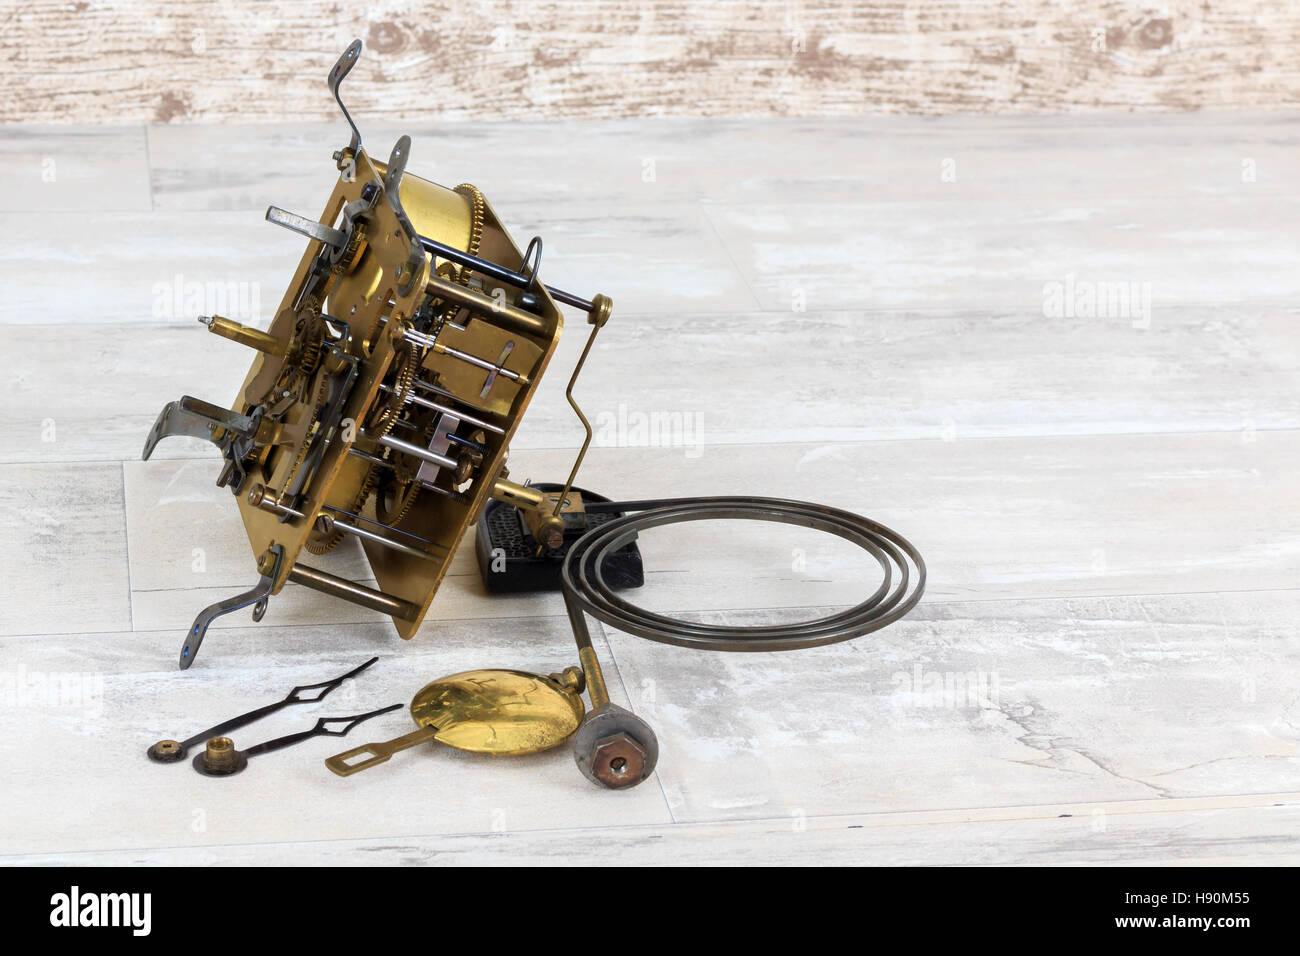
(339, 587)
(266, 563)
(521, 496)
(595, 679)
(386, 391)
(571, 679)
(230, 329)
(547, 529)
(542, 511)
(601, 307)
(220, 758)
(499, 712)
(497, 312)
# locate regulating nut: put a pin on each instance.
(614, 748)
(618, 761)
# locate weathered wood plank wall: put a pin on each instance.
(203, 60)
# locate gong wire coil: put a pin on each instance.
(585, 588)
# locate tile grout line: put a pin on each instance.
(148, 167)
(1071, 121)
(126, 546)
(507, 619)
(867, 311)
(1036, 436)
(959, 816)
(618, 671)
(702, 206)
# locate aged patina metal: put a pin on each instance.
(383, 396)
(498, 712)
(171, 751)
(220, 757)
(380, 405)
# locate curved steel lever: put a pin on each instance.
(196, 418)
(393, 174)
(256, 596)
(341, 69)
(408, 271)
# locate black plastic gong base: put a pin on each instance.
(507, 553)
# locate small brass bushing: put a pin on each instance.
(571, 679)
(550, 531)
(166, 751)
(601, 308)
(220, 758)
(266, 563)
(219, 754)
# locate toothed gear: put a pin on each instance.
(345, 259)
(477, 208)
(309, 336)
(303, 355)
(323, 544)
(461, 275)
(384, 417)
(314, 417)
(401, 478)
(405, 496)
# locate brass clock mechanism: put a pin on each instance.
(382, 399)
(380, 405)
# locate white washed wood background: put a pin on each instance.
(161, 61)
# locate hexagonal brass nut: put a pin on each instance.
(618, 760)
(610, 733)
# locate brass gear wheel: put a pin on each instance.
(478, 206)
(306, 345)
(309, 335)
(400, 484)
(351, 252)
(384, 416)
(313, 417)
(404, 495)
(460, 276)
(318, 543)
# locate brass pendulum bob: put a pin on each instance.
(500, 712)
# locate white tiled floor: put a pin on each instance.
(1107, 505)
